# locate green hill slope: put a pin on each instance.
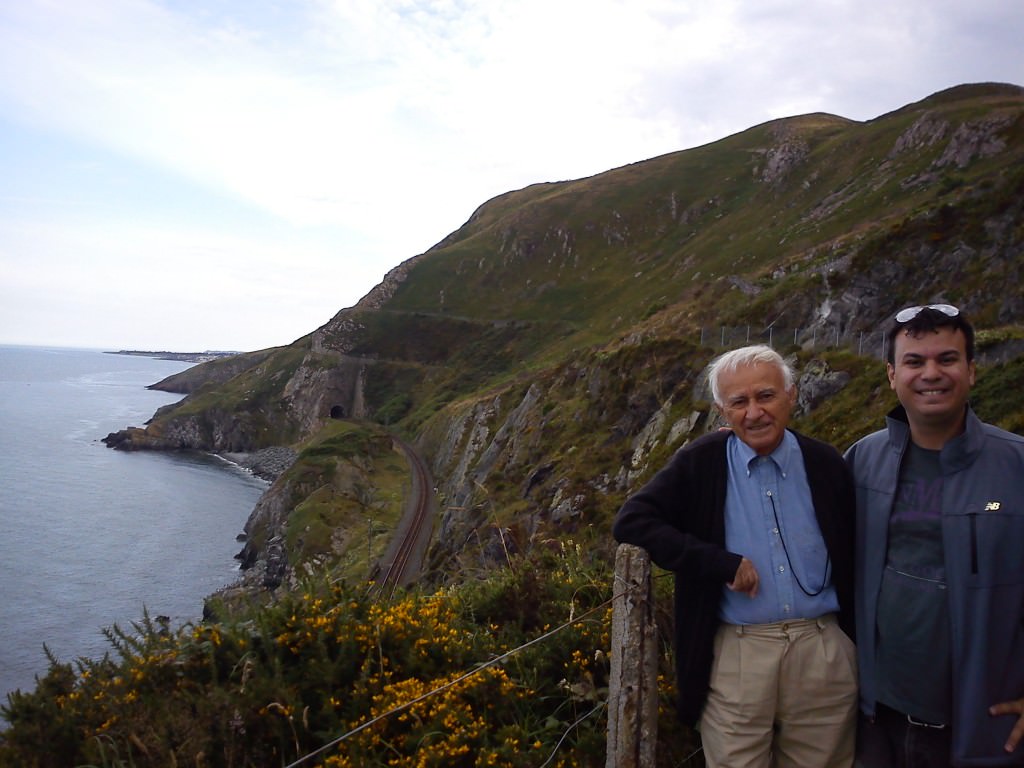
(527, 353)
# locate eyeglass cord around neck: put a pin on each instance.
(828, 557)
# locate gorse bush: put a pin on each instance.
(511, 671)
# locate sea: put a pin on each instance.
(91, 537)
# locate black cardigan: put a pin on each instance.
(679, 518)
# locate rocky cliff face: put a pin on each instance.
(273, 402)
(318, 392)
(264, 558)
(215, 430)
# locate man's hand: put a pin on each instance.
(746, 579)
(1011, 708)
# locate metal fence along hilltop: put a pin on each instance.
(873, 344)
(859, 342)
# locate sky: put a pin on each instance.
(228, 174)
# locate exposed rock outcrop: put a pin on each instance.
(815, 383)
(267, 463)
(264, 558)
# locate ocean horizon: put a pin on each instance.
(92, 536)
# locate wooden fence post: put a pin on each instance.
(633, 684)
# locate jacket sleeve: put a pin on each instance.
(673, 520)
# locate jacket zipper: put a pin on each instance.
(973, 516)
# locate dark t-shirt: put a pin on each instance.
(913, 661)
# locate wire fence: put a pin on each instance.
(866, 344)
(573, 619)
(859, 342)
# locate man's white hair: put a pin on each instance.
(752, 355)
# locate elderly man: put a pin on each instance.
(940, 562)
(757, 522)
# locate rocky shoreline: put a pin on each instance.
(266, 463)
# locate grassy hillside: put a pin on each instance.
(770, 225)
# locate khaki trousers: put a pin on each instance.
(782, 695)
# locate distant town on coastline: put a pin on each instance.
(185, 357)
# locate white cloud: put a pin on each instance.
(343, 136)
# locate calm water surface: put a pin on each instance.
(89, 536)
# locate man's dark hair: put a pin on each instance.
(929, 320)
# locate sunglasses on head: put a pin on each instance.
(908, 314)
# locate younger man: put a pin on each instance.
(940, 562)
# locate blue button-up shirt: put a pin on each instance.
(768, 513)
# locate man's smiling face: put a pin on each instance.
(932, 378)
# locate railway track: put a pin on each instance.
(404, 558)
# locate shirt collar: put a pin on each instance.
(782, 456)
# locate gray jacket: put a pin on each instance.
(983, 541)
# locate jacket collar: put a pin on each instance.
(957, 454)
